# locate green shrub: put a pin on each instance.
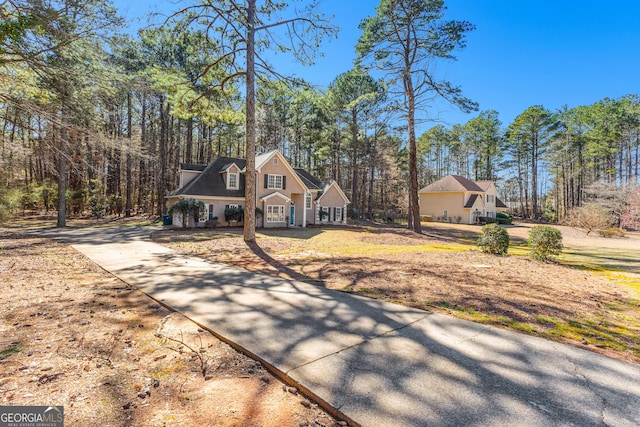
(544, 242)
(494, 240)
(503, 218)
(186, 207)
(233, 214)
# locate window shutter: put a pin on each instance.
(266, 181)
(334, 214)
(284, 182)
(342, 216)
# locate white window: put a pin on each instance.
(210, 213)
(234, 206)
(274, 182)
(338, 215)
(233, 181)
(308, 200)
(490, 198)
(275, 160)
(275, 213)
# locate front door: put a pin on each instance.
(292, 214)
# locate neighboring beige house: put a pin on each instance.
(457, 199)
(286, 196)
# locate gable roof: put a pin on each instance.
(309, 180)
(338, 189)
(471, 201)
(263, 158)
(452, 183)
(485, 185)
(226, 167)
(211, 181)
(275, 194)
(500, 203)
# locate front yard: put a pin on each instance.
(590, 298)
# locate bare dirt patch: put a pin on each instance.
(436, 272)
(73, 335)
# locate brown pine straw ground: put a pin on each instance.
(73, 335)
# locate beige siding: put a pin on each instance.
(435, 204)
(332, 198)
(187, 176)
(275, 201)
(293, 186)
(219, 206)
(329, 201)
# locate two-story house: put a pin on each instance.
(287, 196)
(457, 199)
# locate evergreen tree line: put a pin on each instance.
(94, 122)
(546, 163)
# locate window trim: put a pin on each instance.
(274, 185)
(275, 213)
(237, 178)
(308, 201)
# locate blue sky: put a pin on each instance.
(522, 53)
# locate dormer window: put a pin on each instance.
(232, 181)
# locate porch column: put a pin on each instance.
(304, 209)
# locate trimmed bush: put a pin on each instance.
(494, 240)
(503, 218)
(544, 242)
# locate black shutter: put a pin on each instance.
(266, 181)
(284, 182)
(334, 214)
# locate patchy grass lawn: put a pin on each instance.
(590, 297)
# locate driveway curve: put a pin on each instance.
(379, 364)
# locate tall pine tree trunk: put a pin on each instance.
(413, 157)
(250, 129)
(62, 174)
(128, 184)
(354, 162)
(162, 149)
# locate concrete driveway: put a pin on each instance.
(377, 363)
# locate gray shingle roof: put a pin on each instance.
(192, 167)
(471, 201)
(211, 182)
(309, 180)
(453, 183)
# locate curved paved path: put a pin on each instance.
(379, 364)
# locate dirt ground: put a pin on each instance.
(73, 335)
(434, 272)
